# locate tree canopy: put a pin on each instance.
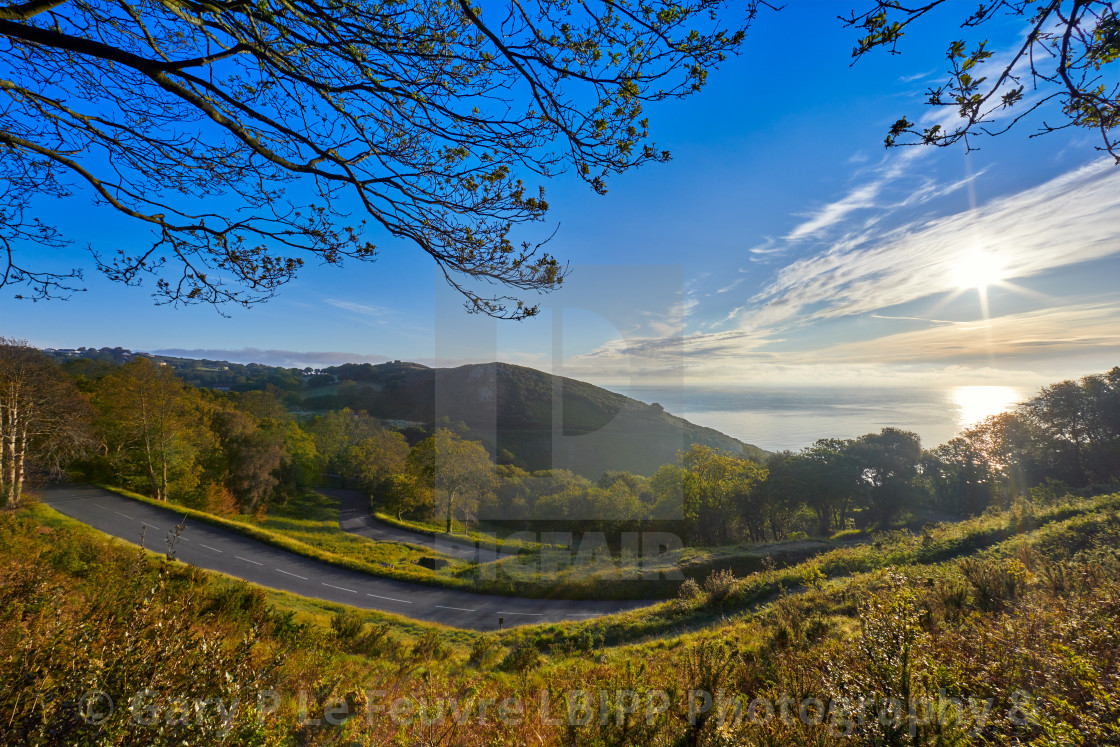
(421, 117)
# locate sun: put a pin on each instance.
(974, 403)
(978, 270)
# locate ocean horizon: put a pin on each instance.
(794, 417)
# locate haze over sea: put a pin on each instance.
(792, 418)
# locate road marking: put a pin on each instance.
(118, 513)
(210, 548)
(460, 609)
(340, 588)
(153, 526)
(101, 507)
(287, 573)
(247, 560)
(378, 596)
(527, 614)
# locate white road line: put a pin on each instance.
(460, 609)
(287, 573)
(118, 513)
(247, 560)
(340, 588)
(101, 507)
(378, 596)
(210, 548)
(153, 526)
(527, 614)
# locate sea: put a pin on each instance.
(795, 417)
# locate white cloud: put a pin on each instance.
(1073, 218)
(361, 308)
(1041, 334)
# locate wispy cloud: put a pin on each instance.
(362, 309)
(862, 196)
(1073, 218)
(1038, 334)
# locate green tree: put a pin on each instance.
(960, 477)
(717, 488)
(458, 471)
(888, 463)
(417, 114)
(152, 427)
(371, 462)
(823, 477)
(1069, 53)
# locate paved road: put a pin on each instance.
(218, 549)
(353, 517)
(222, 550)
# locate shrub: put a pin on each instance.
(719, 586)
(482, 652)
(521, 657)
(689, 589)
(347, 625)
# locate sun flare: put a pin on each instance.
(975, 403)
(979, 270)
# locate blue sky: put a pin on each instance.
(782, 245)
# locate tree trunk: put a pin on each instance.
(450, 503)
(17, 469)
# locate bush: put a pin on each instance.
(719, 586)
(689, 590)
(347, 625)
(521, 657)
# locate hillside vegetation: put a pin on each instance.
(911, 641)
(510, 409)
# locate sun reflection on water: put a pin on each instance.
(974, 403)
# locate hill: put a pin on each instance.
(511, 409)
(508, 408)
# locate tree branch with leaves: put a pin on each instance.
(308, 119)
(1069, 54)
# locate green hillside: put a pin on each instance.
(510, 408)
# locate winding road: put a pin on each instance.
(353, 517)
(226, 551)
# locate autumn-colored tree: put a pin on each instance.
(44, 420)
(251, 453)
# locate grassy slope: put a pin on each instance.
(1002, 603)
